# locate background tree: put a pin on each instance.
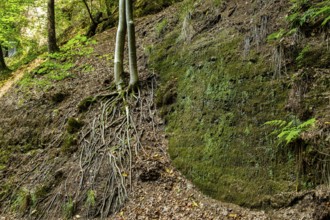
(3, 66)
(52, 45)
(11, 22)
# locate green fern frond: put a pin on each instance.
(289, 132)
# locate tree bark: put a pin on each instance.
(89, 12)
(52, 45)
(131, 44)
(3, 65)
(120, 44)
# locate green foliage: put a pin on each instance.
(145, 7)
(305, 13)
(11, 20)
(68, 209)
(39, 193)
(74, 125)
(23, 201)
(69, 144)
(213, 111)
(90, 201)
(302, 54)
(4, 75)
(276, 35)
(161, 27)
(59, 66)
(217, 3)
(289, 132)
(78, 46)
(84, 105)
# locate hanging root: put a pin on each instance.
(278, 61)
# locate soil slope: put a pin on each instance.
(59, 137)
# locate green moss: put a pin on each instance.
(143, 7)
(314, 56)
(161, 27)
(74, 125)
(23, 201)
(90, 200)
(215, 122)
(58, 97)
(39, 193)
(84, 105)
(69, 145)
(4, 75)
(68, 209)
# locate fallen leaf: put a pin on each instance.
(232, 215)
(195, 204)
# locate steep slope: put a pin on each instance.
(62, 126)
(43, 156)
(228, 70)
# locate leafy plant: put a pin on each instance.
(276, 35)
(68, 209)
(90, 201)
(22, 201)
(302, 54)
(304, 13)
(288, 132)
(161, 27)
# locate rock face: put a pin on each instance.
(229, 79)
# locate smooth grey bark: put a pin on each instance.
(125, 22)
(131, 44)
(52, 45)
(120, 44)
(3, 65)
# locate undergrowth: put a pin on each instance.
(288, 132)
(58, 66)
(307, 13)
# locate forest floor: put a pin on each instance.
(17, 75)
(158, 190)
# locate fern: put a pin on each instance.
(316, 12)
(288, 132)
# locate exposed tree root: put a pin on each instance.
(99, 180)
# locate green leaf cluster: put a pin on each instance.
(288, 132)
(305, 13)
(59, 66)
(91, 198)
(11, 19)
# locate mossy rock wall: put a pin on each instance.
(221, 99)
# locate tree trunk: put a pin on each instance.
(89, 12)
(52, 46)
(3, 65)
(120, 44)
(131, 44)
